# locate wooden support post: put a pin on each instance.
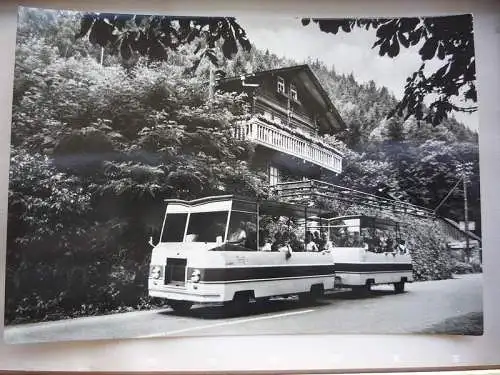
(211, 84)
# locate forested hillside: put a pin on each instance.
(98, 143)
(414, 160)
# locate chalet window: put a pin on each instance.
(293, 92)
(273, 176)
(281, 85)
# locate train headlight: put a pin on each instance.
(155, 272)
(195, 276)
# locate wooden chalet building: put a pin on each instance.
(291, 112)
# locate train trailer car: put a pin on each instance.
(368, 251)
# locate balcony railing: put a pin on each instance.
(305, 192)
(301, 146)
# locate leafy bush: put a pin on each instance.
(477, 267)
(95, 150)
(462, 268)
(427, 245)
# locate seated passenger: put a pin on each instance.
(401, 248)
(278, 240)
(286, 248)
(239, 236)
(348, 241)
(328, 246)
(295, 243)
(318, 240)
(383, 244)
(310, 244)
(267, 245)
(191, 237)
(389, 245)
(376, 244)
(356, 241)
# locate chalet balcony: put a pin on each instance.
(292, 142)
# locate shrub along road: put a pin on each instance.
(423, 306)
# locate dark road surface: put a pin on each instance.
(381, 312)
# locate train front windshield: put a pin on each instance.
(174, 227)
(201, 227)
(207, 226)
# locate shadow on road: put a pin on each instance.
(255, 308)
(350, 294)
(470, 324)
(210, 312)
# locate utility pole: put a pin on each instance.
(102, 55)
(466, 218)
(465, 170)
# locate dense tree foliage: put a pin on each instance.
(449, 38)
(155, 36)
(95, 150)
(97, 145)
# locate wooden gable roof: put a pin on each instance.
(305, 79)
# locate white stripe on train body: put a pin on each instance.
(224, 273)
(355, 266)
(223, 292)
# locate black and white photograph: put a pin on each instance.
(211, 176)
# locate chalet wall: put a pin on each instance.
(294, 122)
(291, 168)
(304, 118)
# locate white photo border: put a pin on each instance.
(301, 353)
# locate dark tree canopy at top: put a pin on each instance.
(153, 36)
(448, 38)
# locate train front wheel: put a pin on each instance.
(180, 306)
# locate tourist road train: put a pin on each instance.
(231, 250)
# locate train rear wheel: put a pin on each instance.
(317, 291)
(306, 298)
(399, 287)
(361, 289)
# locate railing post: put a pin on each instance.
(284, 141)
(252, 130)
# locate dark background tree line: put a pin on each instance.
(99, 141)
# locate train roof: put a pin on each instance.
(366, 220)
(266, 207)
(276, 208)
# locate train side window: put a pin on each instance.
(243, 223)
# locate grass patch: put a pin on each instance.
(468, 324)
